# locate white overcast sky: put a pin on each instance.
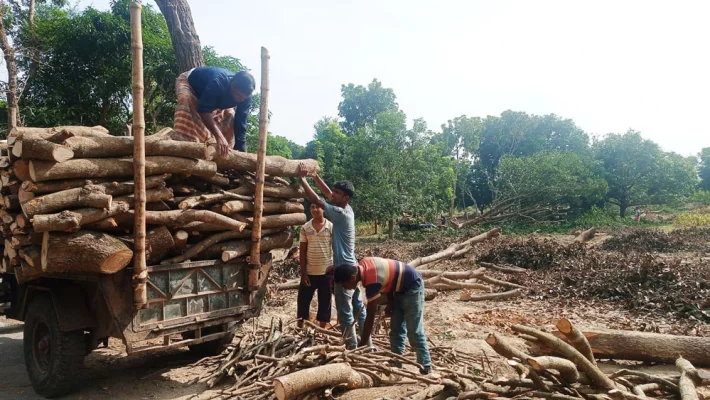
(608, 65)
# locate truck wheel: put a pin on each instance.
(213, 347)
(53, 358)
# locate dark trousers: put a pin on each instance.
(321, 283)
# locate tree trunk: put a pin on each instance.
(88, 196)
(120, 146)
(390, 229)
(586, 235)
(83, 251)
(451, 250)
(41, 149)
(186, 43)
(297, 383)
(232, 250)
(644, 346)
(376, 227)
(275, 165)
(72, 220)
(13, 111)
(117, 168)
(286, 207)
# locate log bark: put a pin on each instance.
(490, 296)
(120, 146)
(112, 187)
(507, 269)
(207, 199)
(499, 282)
(686, 385)
(236, 249)
(429, 294)
(83, 251)
(275, 165)
(459, 275)
(159, 241)
(569, 352)
(186, 43)
(117, 168)
(280, 220)
(586, 235)
(281, 192)
(235, 206)
(451, 250)
(88, 196)
(441, 283)
(642, 346)
(297, 383)
(212, 240)
(72, 220)
(577, 338)
(20, 133)
(41, 149)
(505, 349)
(151, 196)
(566, 368)
(179, 218)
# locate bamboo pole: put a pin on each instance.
(255, 259)
(140, 270)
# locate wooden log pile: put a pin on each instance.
(68, 196)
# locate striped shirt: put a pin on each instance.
(320, 250)
(383, 275)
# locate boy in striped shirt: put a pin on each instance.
(403, 287)
(316, 255)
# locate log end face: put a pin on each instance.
(117, 261)
(565, 326)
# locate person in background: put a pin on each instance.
(347, 301)
(213, 104)
(403, 290)
(316, 255)
(637, 214)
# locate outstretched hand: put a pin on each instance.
(302, 170)
(222, 145)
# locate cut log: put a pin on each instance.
(577, 338)
(465, 296)
(217, 179)
(499, 282)
(686, 385)
(119, 146)
(451, 250)
(236, 249)
(24, 197)
(282, 192)
(207, 199)
(280, 220)
(41, 149)
(566, 368)
(642, 346)
(20, 133)
(180, 238)
(429, 294)
(11, 202)
(340, 374)
(21, 169)
(569, 352)
(586, 235)
(236, 206)
(88, 196)
(32, 255)
(507, 269)
(274, 165)
(442, 283)
(112, 187)
(83, 251)
(152, 196)
(26, 240)
(212, 240)
(505, 349)
(117, 168)
(71, 220)
(460, 275)
(22, 221)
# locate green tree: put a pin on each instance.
(704, 168)
(361, 105)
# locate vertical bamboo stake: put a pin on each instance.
(255, 259)
(140, 271)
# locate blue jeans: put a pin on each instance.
(408, 322)
(348, 303)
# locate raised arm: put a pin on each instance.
(312, 196)
(323, 187)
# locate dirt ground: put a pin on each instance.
(109, 373)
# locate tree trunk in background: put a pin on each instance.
(186, 43)
(376, 227)
(13, 111)
(390, 224)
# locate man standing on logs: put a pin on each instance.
(404, 288)
(315, 256)
(347, 301)
(213, 103)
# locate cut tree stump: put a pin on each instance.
(642, 346)
(117, 168)
(88, 196)
(83, 251)
(340, 374)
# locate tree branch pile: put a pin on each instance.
(68, 196)
(516, 208)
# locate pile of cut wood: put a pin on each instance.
(312, 363)
(68, 196)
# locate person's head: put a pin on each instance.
(242, 85)
(342, 192)
(347, 275)
(316, 211)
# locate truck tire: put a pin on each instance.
(213, 347)
(53, 358)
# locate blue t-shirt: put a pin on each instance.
(212, 88)
(343, 220)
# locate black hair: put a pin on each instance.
(346, 186)
(244, 82)
(344, 273)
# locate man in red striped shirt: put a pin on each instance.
(404, 289)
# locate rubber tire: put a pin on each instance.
(211, 348)
(67, 356)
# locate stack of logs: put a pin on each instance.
(67, 200)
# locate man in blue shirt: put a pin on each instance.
(347, 301)
(213, 103)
